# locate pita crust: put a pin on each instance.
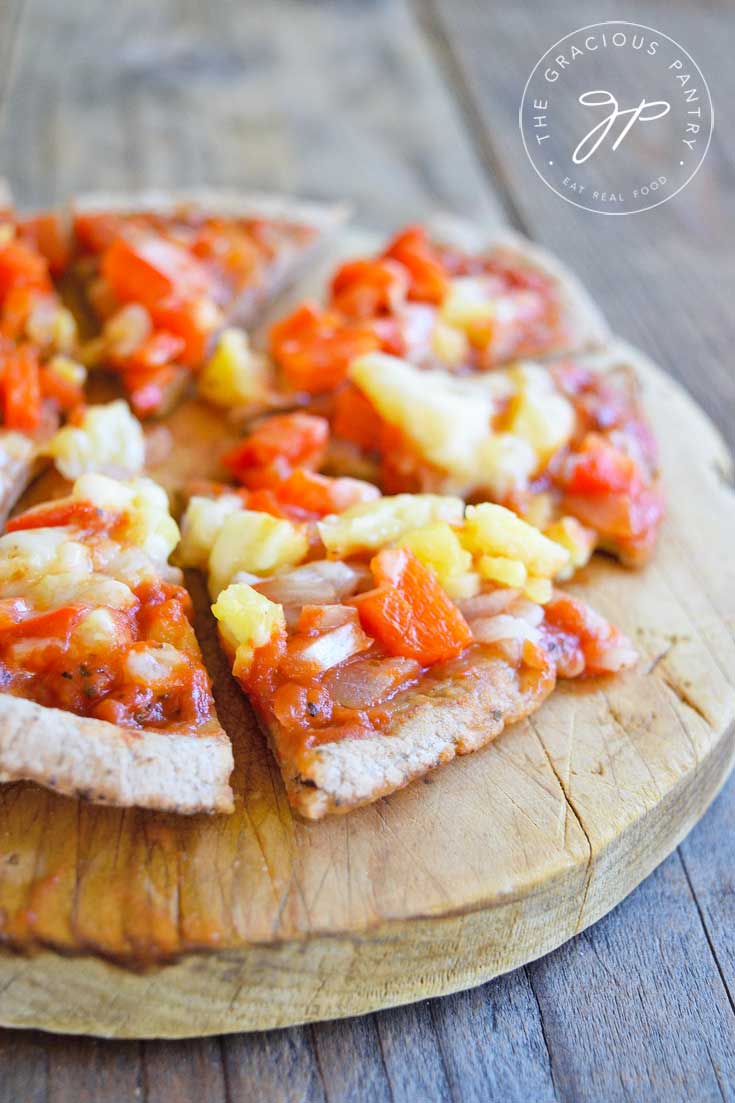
(107, 764)
(453, 717)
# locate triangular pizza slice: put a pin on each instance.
(103, 691)
(163, 273)
(377, 637)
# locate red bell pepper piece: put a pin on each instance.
(21, 389)
(272, 450)
(409, 613)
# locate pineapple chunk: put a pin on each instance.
(150, 524)
(103, 491)
(449, 344)
(538, 590)
(504, 571)
(108, 438)
(505, 463)
(467, 304)
(463, 586)
(540, 415)
(369, 526)
(496, 531)
(437, 546)
(578, 540)
(144, 503)
(444, 418)
(538, 509)
(200, 527)
(234, 374)
(247, 620)
(255, 543)
(71, 371)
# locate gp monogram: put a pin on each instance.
(616, 118)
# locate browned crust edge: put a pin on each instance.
(452, 717)
(106, 764)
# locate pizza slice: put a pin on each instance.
(438, 303)
(378, 637)
(41, 379)
(550, 441)
(164, 273)
(103, 692)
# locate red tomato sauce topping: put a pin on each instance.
(43, 659)
(32, 389)
(369, 309)
(185, 269)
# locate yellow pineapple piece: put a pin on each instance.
(200, 526)
(234, 374)
(444, 418)
(467, 305)
(505, 462)
(504, 571)
(539, 413)
(449, 344)
(256, 544)
(371, 525)
(577, 539)
(496, 531)
(247, 620)
(538, 590)
(437, 546)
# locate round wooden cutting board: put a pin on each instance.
(133, 924)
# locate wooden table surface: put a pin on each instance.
(404, 108)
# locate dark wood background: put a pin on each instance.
(406, 107)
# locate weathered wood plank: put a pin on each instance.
(279, 1066)
(633, 1007)
(188, 1072)
(325, 101)
(86, 1070)
(493, 1043)
(412, 1051)
(351, 1061)
(707, 860)
(24, 1065)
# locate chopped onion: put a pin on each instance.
(489, 604)
(618, 656)
(527, 610)
(323, 582)
(313, 654)
(492, 629)
(368, 682)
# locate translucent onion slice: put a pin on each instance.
(493, 629)
(322, 582)
(490, 603)
(369, 682)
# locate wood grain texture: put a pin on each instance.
(402, 154)
(397, 901)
